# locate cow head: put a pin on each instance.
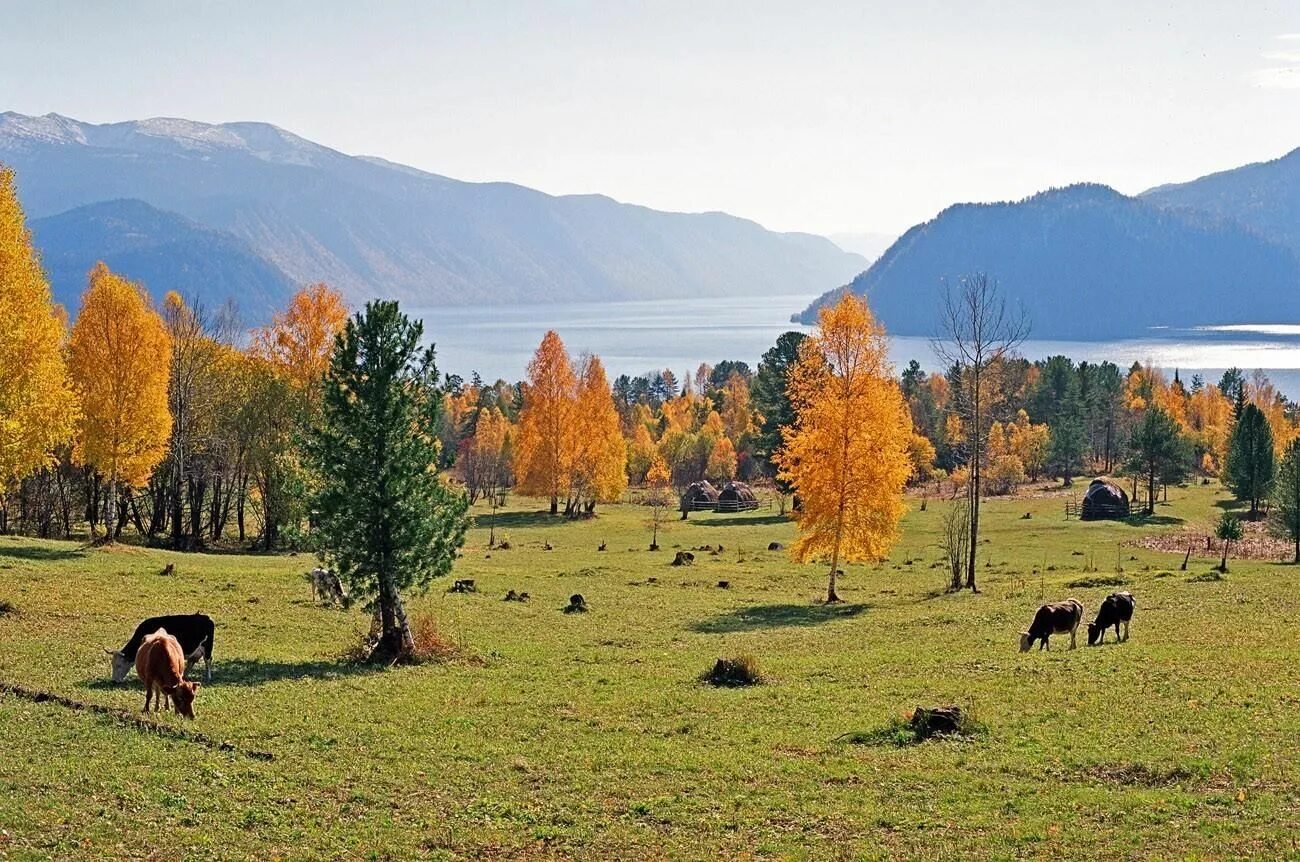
(1094, 631)
(1025, 642)
(121, 665)
(183, 697)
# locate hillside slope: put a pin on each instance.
(163, 251)
(374, 228)
(1086, 262)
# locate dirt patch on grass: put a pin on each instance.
(1139, 775)
(1255, 544)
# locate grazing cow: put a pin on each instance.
(160, 663)
(1056, 618)
(325, 585)
(1117, 609)
(192, 631)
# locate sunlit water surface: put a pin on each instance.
(636, 337)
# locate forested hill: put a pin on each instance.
(163, 251)
(1264, 196)
(1087, 262)
(373, 228)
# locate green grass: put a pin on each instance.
(591, 735)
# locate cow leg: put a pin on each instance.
(1125, 630)
(148, 695)
(1073, 632)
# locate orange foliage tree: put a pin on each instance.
(119, 359)
(301, 338)
(599, 465)
(37, 405)
(847, 455)
(545, 450)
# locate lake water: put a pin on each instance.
(636, 337)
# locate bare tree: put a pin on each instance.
(978, 334)
(954, 541)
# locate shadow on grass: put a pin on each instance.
(740, 521)
(26, 552)
(518, 520)
(776, 616)
(251, 672)
(1153, 521)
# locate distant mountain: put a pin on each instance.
(1264, 196)
(1086, 262)
(373, 228)
(870, 245)
(162, 250)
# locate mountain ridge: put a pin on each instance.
(1086, 262)
(373, 228)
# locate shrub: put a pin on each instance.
(430, 642)
(732, 672)
(1005, 473)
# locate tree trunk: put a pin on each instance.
(110, 508)
(555, 504)
(974, 488)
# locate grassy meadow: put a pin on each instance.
(589, 735)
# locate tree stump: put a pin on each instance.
(683, 558)
(577, 604)
(512, 596)
(775, 546)
(724, 585)
(463, 586)
(936, 720)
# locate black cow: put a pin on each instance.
(193, 632)
(1117, 609)
(1056, 618)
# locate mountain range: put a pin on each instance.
(1087, 262)
(251, 211)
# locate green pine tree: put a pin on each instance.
(1158, 452)
(384, 518)
(1286, 497)
(1250, 466)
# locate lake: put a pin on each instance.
(636, 337)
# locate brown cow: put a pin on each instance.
(1056, 618)
(160, 664)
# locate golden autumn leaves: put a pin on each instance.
(37, 405)
(112, 385)
(847, 454)
(570, 442)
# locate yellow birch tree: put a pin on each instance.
(37, 405)
(846, 456)
(119, 359)
(544, 453)
(599, 466)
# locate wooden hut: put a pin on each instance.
(700, 497)
(1104, 500)
(737, 497)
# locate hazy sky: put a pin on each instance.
(829, 117)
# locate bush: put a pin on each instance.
(1005, 473)
(430, 643)
(732, 672)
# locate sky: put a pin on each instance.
(845, 117)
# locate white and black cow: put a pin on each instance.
(1056, 618)
(1117, 609)
(193, 631)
